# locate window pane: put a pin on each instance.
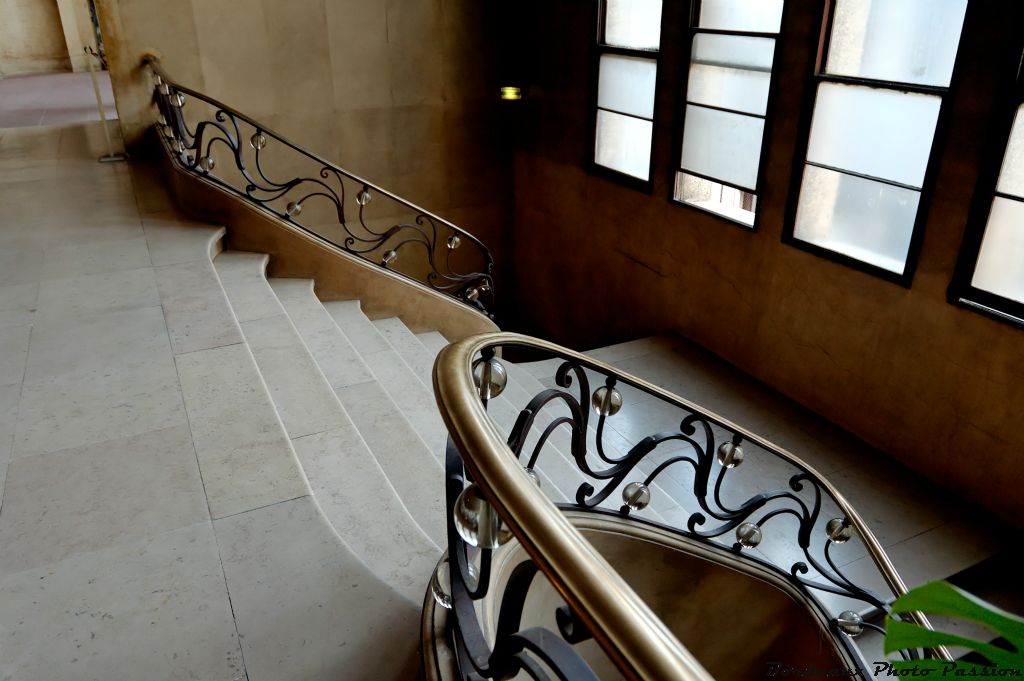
(624, 144)
(1011, 176)
(626, 84)
(633, 23)
(864, 219)
(717, 198)
(763, 16)
(722, 145)
(731, 72)
(1000, 268)
(910, 41)
(882, 133)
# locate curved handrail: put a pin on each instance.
(438, 237)
(627, 630)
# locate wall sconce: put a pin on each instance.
(511, 93)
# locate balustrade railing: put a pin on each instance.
(713, 483)
(224, 146)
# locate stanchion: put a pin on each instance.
(110, 156)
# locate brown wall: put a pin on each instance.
(31, 38)
(939, 387)
(401, 92)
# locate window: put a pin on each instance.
(629, 36)
(882, 76)
(990, 272)
(731, 57)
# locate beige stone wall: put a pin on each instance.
(398, 91)
(937, 386)
(31, 38)
(78, 31)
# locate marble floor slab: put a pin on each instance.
(306, 608)
(158, 604)
(88, 498)
(244, 454)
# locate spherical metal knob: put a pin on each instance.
(748, 535)
(636, 495)
(730, 455)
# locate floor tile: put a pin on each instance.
(88, 498)
(96, 293)
(244, 455)
(306, 608)
(195, 308)
(18, 304)
(97, 404)
(68, 344)
(105, 256)
(13, 353)
(158, 604)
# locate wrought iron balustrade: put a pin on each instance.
(224, 146)
(494, 481)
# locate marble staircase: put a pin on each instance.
(208, 473)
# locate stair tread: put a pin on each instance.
(412, 469)
(415, 400)
(347, 481)
(408, 346)
(433, 341)
(333, 351)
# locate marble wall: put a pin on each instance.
(401, 92)
(31, 38)
(939, 387)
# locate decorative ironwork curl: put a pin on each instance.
(801, 498)
(392, 247)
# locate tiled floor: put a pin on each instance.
(150, 527)
(53, 99)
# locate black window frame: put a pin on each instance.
(961, 291)
(683, 89)
(601, 48)
(817, 77)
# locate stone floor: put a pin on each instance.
(53, 99)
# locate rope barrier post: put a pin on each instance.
(110, 156)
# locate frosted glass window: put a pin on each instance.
(761, 16)
(882, 133)
(624, 144)
(731, 72)
(867, 220)
(1011, 175)
(729, 202)
(633, 23)
(723, 145)
(1000, 267)
(626, 85)
(734, 50)
(907, 41)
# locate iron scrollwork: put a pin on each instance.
(710, 459)
(393, 246)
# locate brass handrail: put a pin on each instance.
(636, 640)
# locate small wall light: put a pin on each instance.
(511, 93)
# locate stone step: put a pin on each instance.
(405, 466)
(348, 485)
(399, 381)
